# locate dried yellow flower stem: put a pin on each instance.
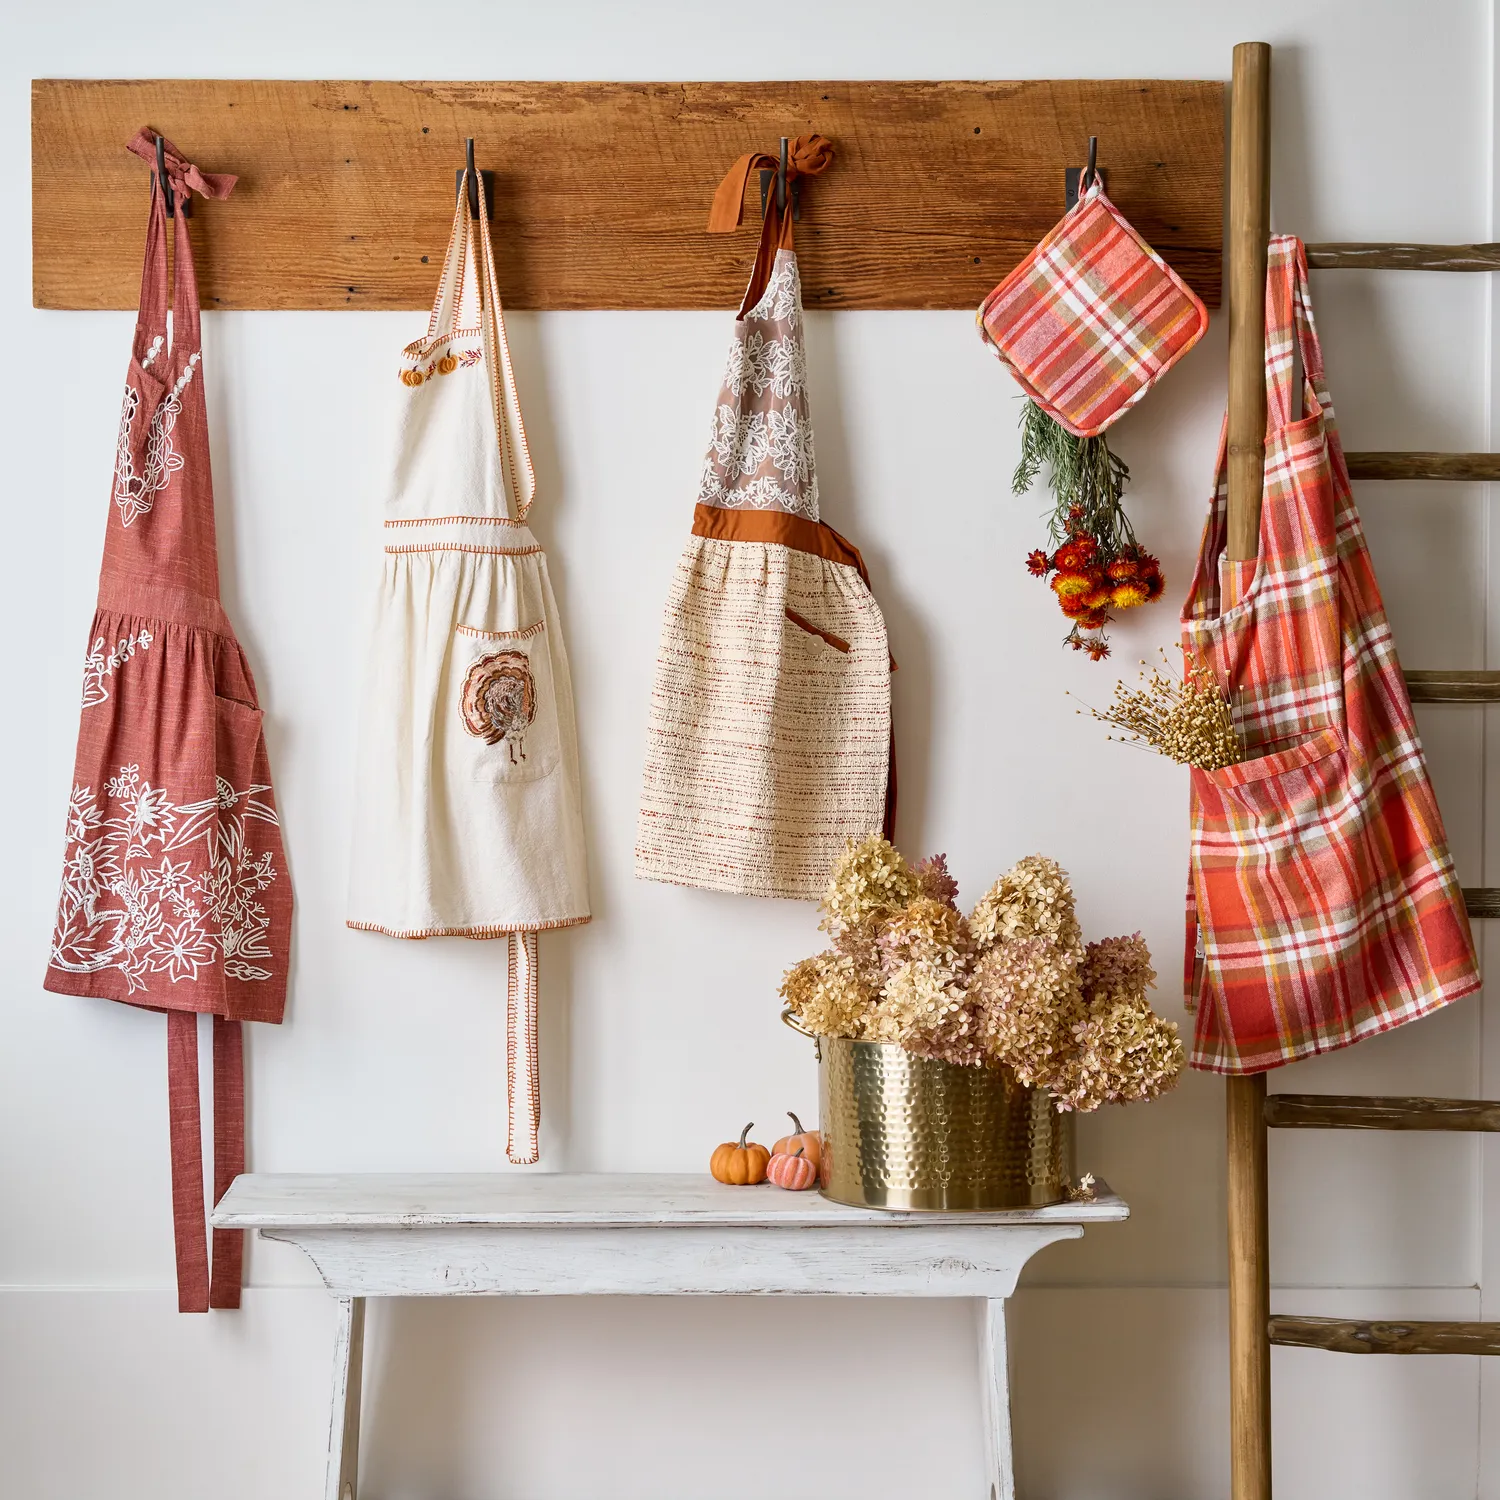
(1187, 718)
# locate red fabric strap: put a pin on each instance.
(189, 1224)
(181, 173)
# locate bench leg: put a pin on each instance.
(994, 1375)
(343, 1425)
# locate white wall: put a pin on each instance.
(660, 1031)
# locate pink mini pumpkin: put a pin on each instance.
(794, 1173)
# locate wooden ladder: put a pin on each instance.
(1250, 1111)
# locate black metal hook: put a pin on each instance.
(1076, 182)
(779, 173)
(474, 180)
(161, 177)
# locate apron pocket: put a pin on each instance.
(506, 703)
(1279, 806)
(237, 738)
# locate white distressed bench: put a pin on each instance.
(547, 1234)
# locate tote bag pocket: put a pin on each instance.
(506, 703)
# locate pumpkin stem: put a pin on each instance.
(795, 1121)
(746, 1131)
(797, 1152)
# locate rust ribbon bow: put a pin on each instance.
(807, 156)
(181, 173)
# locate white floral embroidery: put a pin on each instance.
(781, 302)
(790, 436)
(126, 905)
(762, 493)
(135, 493)
(740, 441)
(98, 665)
(759, 364)
(786, 368)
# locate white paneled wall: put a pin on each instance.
(659, 1033)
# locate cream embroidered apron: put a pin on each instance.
(468, 818)
(770, 731)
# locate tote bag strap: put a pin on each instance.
(510, 430)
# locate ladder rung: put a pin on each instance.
(1482, 900)
(1484, 467)
(1379, 1112)
(1345, 1336)
(1453, 687)
(1382, 256)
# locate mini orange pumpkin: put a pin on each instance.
(412, 377)
(809, 1140)
(794, 1173)
(740, 1163)
(447, 365)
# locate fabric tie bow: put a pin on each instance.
(182, 175)
(807, 156)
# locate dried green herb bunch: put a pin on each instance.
(1096, 564)
(1188, 719)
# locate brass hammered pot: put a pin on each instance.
(907, 1132)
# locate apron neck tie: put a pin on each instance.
(808, 156)
(182, 175)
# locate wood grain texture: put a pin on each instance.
(994, 1395)
(1249, 1290)
(342, 1476)
(1249, 1238)
(415, 1200)
(1400, 257)
(1482, 901)
(1453, 687)
(1249, 237)
(346, 188)
(1379, 1112)
(1344, 1336)
(1483, 467)
(469, 1260)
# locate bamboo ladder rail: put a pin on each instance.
(1250, 1111)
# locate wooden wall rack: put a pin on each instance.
(346, 189)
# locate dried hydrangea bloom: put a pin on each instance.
(868, 878)
(828, 996)
(917, 1001)
(1117, 967)
(934, 881)
(860, 944)
(1033, 899)
(1126, 1052)
(927, 931)
(1027, 1003)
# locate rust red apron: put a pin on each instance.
(175, 894)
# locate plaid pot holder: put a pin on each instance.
(1092, 318)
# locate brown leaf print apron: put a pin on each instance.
(175, 894)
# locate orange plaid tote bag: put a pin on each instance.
(1322, 905)
(1092, 318)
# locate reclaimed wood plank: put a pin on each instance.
(1379, 1112)
(1453, 687)
(1347, 1336)
(346, 188)
(1384, 256)
(1481, 467)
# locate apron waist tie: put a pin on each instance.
(195, 1292)
(523, 1081)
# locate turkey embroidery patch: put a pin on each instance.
(499, 700)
